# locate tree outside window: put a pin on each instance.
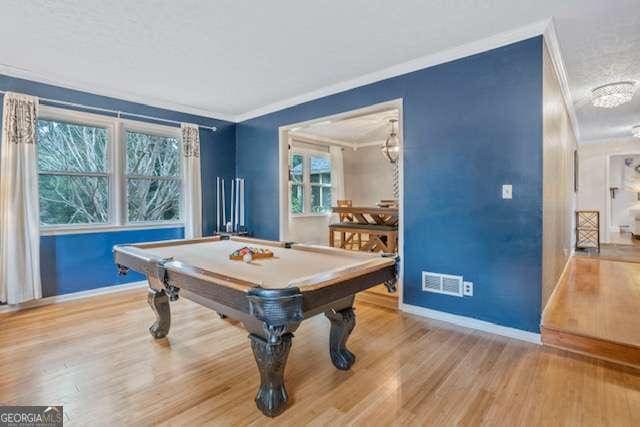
(320, 177)
(73, 173)
(310, 174)
(80, 184)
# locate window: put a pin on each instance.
(320, 177)
(153, 178)
(297, 184)
(98, 172)
(310, 183)
(73, 167)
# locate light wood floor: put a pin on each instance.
(97, 359)
(598, 298)
(613, 252)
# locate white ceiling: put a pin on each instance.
(229, 58)
(365, 129)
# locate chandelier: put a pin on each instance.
(391, 147)
(613, 94)
(635, 131)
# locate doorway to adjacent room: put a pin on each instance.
(340, 184)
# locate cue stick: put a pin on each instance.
(217, 203)
(242, 202)
(233, 203)
(224, 209)
(237, 202)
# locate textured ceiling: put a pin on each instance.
(231, 57)
(363, 129)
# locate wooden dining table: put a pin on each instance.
(371, 215)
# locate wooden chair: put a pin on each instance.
(380, 238)
(344, 217)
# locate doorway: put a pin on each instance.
(623, 199)
(339, 187)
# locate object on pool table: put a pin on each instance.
(254, 252)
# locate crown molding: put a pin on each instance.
(479, 46)
(553, 47)
(26, 74)
(544, 27)
(314, 139)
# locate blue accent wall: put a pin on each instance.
(470, 126)
(71, 263)
(77, 262)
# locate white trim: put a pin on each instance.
(479, 46)
(369, 144)
(553, 47)
(93, 228)
(73, 296)
(319, 140)
(469, 322)
(492, 42)
(94, 89)
(313, 139)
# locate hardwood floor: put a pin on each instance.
(379, 296)
(598, 298)
(96, 358)
(613, 252)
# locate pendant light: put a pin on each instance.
(391, 147)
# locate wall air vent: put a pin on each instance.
(442, 283)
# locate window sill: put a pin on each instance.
(87, 229)
(310, 215)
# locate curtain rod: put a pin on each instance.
(117, 113)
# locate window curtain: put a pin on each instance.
(192, 181)
(337, 177)
(19, 210)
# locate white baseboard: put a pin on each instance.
(469, 322)
(73, 296)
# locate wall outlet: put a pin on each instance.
(507, 191)
(467, 289)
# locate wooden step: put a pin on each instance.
(611, 351)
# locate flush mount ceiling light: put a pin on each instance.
(613, 94)
(391, 147)
(635, 131)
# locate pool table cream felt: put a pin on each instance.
(303, 266)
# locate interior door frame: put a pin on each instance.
(283, 172)
(607, 195)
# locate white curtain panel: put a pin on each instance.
(337, 177)
(192, 181)
(19, 210)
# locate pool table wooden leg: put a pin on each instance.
(271, 357)
(342, 323)
(159, 302)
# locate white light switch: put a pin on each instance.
(507, 192)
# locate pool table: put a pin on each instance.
(270, 296)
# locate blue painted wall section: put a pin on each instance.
(65, 260)
(470, 126)
(77, 262)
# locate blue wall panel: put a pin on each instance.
(470, 126)
(77, 262)
(83, 261)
